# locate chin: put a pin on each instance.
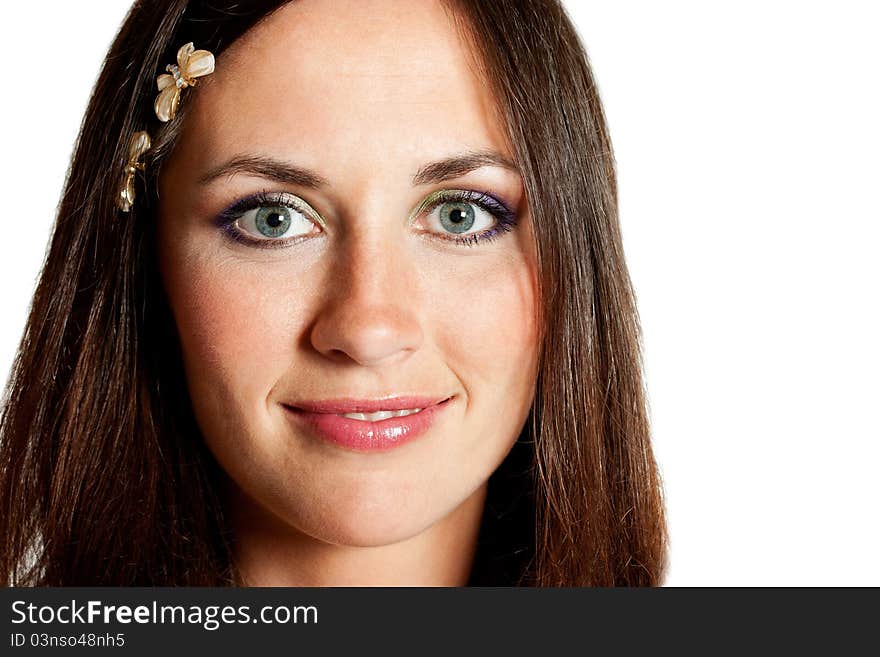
(365, 521)
(366, 530)
(363, 535)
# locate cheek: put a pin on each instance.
(489, 333)
(236, 333)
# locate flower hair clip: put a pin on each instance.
(139, 144)
(191, 64)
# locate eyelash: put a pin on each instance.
(505, 218)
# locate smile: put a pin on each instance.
(380, 415)
(368, 429)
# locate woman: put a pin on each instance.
(363, 318)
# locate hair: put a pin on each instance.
(104, 476)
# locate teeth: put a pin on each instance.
(380, 415)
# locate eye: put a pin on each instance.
(466, 217)
(269, 219)
(274, 221)
(460, 217)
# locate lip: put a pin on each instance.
(324, 419)
(350, 405)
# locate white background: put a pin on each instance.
(747, 142)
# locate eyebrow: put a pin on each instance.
(285, 172)
(265, 167)
(459, 165)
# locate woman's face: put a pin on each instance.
(302, 264)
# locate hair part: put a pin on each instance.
(96, 423)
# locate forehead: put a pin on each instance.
(348, 83)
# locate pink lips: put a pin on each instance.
(325, 418)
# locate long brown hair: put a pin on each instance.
(104, 476)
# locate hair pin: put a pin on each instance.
(191, 64)
(139, 144)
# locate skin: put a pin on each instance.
(373, 302)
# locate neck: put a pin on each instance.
(269, 552)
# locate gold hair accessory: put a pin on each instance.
(191, 64)
(139, 144)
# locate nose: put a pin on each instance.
(371, 309)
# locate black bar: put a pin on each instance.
(497, 621)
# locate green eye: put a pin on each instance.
(457, 217)
(273, 221)
(459, 214)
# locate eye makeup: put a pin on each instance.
(228, 218)
(505, 217)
